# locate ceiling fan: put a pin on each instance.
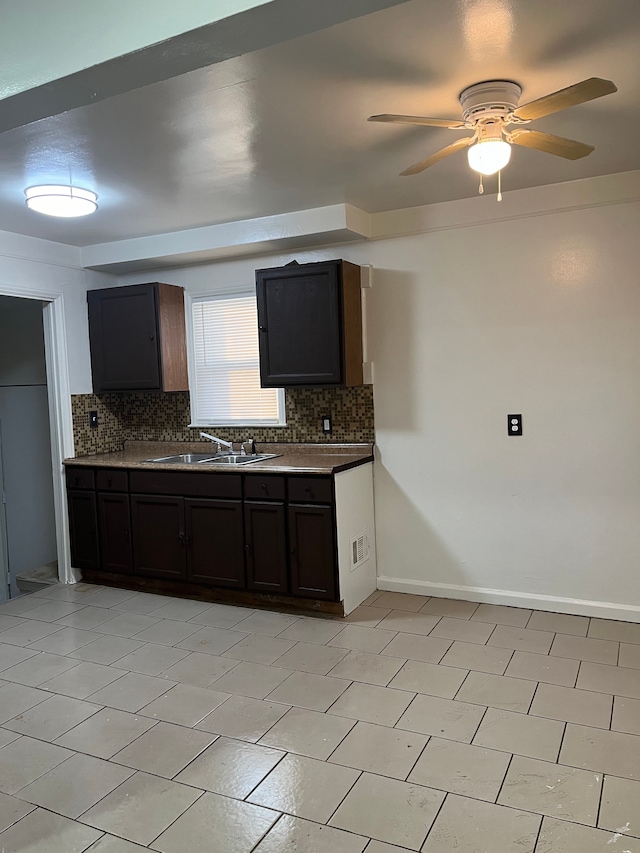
(490, 108)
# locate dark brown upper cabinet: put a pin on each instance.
(310, 324)
(138, 340)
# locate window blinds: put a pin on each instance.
(227, 368)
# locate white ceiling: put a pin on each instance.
(285, 128)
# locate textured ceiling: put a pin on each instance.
(285, 128)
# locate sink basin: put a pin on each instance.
(183, 459)
(236, 459)
(208, 459)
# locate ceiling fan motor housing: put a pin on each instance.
(491, 99)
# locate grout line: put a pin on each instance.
(504, 778)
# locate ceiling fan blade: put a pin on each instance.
(439, 155)
(423, 120)
(579, 93)
(558, 145)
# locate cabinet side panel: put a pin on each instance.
(173, 342)
(352, 324)
(354, 519)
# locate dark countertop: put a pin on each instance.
(292, 458)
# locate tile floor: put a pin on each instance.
(133, 722)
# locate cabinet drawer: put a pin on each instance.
(311, 489)
(80, 478)
(188, 485)
(109, 480)
(264, 488)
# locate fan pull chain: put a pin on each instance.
(499, 198)
(481, 188)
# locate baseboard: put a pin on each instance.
(553, 603)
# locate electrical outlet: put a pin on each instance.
(514, 424)
(326, 424)
(93, 420)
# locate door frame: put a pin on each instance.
(60, 417)
(5, 580)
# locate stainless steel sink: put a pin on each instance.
(183, 459)
(208, 459)
(236, 459)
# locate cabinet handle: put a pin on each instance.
(263, 486)
(262, 328)
(126, 534)
(151, 337)
(181, 537)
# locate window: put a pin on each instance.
(225, 387)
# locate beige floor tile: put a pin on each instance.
(141, 808)
(572, 706)
(17, 698)
(450, 607)
(49, 611)
(152, 659)
(165, 750)
(619, 810)
(371, 704)
(83, 680)
(107, 649)
(600, 678)
(497, 691)
(127, 624)
(181, 609)
(51, 718)
(401, 601)
(465, 630)
(478, 658)
(629, 655)
(266, 623)
(12, 655)
(38, 669)
(19, 606)
(551, 789)
(109, 597)
(369, 669)
(291, 834)
(198, 669)
(371, 640)
(106, 733)
(472, 771)
(64, 641)
(626, 715)
(167, 632)
(87, 619)
(235, 825)
(381, 847)
(559, 836)
(7, 622)
(43, 832)
(499, 614)
(243, 718)
(231, 767)
(111, 844)
(470, 826)
(143, 603)
(29, 632)
(7, 737)
(442, 717)
(367, 617)
(184, 705)
(305, 787)
(318, 631)
(222, 616)
(26, 759)
(409, 623)
(259, 649)
(521, 734)
(378, 749)
(251, 679)
(585, 648)
(211, 641)
(543, 668)
(610, 629)
(11, 810)
(131, 692)
(521, 639)
(388, 810)
(75, 785)
(373, 597)
(601, 751)
(561, 623)
(430, 678)
(306, 657)
(416, 647)
(308, 733)
(305, 690)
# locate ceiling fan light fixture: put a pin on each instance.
(64, 201)
(488, 156)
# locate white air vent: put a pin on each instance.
(359, 550)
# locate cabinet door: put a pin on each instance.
(299, 320)
(265, 536)
(159, 539)
(312, 551)
(115, 533)
(215, 542)
(123, 330)
(83, 529)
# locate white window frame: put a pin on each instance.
(190, 299)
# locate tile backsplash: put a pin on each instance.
(153, 416)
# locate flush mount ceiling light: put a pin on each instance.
(66, 201)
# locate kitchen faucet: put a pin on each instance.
(218, 441)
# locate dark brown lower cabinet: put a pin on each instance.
(115, 533)
(159, 538)
(215, 542)
(83, 529)
(266, 546)
(312, 551)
